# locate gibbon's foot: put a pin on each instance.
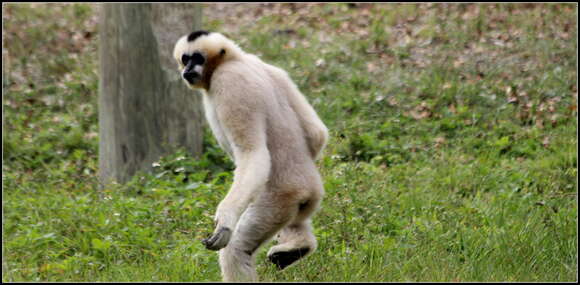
(218, 240)
(284, 258)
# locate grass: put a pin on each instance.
(453, 151)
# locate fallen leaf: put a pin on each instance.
(439, 141)
(546, 142)
(371, 67)
(452, 109)
(320, 62)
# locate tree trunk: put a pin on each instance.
(145, 111)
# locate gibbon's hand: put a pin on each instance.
(225, 221)
(219, 239)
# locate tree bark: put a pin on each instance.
(145, 111)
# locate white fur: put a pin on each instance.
(211, 118)
(198, 69)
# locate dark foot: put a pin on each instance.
(284, 258)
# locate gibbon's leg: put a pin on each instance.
(262, 220)
(296, 240)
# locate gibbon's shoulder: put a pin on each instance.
(243, 77)
(247, 68)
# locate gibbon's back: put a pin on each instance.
(286, 141)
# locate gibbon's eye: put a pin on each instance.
(197, 58)
(184, 59)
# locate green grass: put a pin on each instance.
(453, 150)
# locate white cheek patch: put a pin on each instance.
(198, 69)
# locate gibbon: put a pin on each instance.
(273, 135)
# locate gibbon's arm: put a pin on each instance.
(315, 130)
(245, 128)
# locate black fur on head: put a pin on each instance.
(196, 35)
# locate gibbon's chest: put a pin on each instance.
(216, 127)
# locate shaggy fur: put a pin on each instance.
(260, 118)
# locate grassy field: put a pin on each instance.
(453, 150)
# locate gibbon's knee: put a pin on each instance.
(256, 226)
(306, 209)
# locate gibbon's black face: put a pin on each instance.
(193, 69)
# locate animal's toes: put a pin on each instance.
(284, 258)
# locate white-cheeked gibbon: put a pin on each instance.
(273, 135)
